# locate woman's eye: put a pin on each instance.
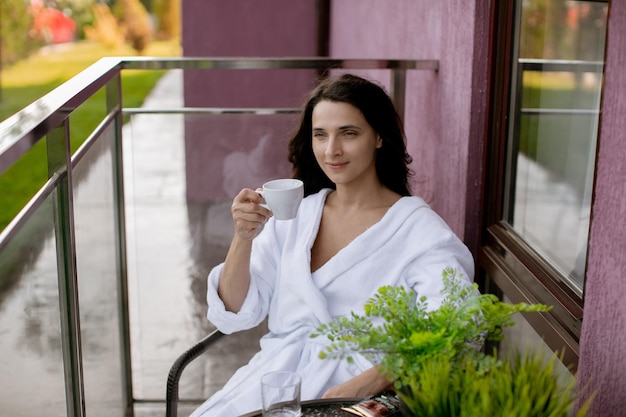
(349, 133)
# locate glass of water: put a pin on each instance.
(280, 393)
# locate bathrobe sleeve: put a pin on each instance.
(280, 249)
(263, 264)
(424, 272)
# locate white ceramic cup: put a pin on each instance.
(280, 394)
(283, 197)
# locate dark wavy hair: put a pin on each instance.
(392, 159)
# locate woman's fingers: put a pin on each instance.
(248, 214)
(248, 204)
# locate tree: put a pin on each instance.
(82, 11)
(169, 19)
(105, 28)
(15, 22)
(136, 23)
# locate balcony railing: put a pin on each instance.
(78, 343)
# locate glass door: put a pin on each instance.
(548, 62)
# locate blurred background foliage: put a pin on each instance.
(134, 22)
(15, 24)
(562, 29)
(33, 65)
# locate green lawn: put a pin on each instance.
(32, 78)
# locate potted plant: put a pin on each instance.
(435, 357)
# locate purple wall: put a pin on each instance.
(603, 340)
(444, 110)
(228, 152)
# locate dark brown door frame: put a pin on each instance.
(506, 264)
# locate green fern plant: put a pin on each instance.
(435, 359)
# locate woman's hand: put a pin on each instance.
(248, 214)
(368, 383)
(248, 217)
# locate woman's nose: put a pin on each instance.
(334, 146)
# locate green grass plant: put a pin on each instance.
(527, 386)
(32, 78)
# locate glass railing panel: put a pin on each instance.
(178, 198)
(32, 370)
(96, 264)
(227, 152)
(21, 181)
(158, 248)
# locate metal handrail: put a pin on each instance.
(49, 117)
(21, 131)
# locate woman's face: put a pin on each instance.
(344, 143)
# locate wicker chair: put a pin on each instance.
(173, 378)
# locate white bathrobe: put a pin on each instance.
(409, 246)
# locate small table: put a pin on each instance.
(321, 408)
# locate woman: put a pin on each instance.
(357, 229)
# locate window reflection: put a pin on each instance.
(556, 99)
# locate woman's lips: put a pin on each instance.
(336, 165)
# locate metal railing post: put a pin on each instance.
(58, 146)
(114, 104)
(397, 90)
